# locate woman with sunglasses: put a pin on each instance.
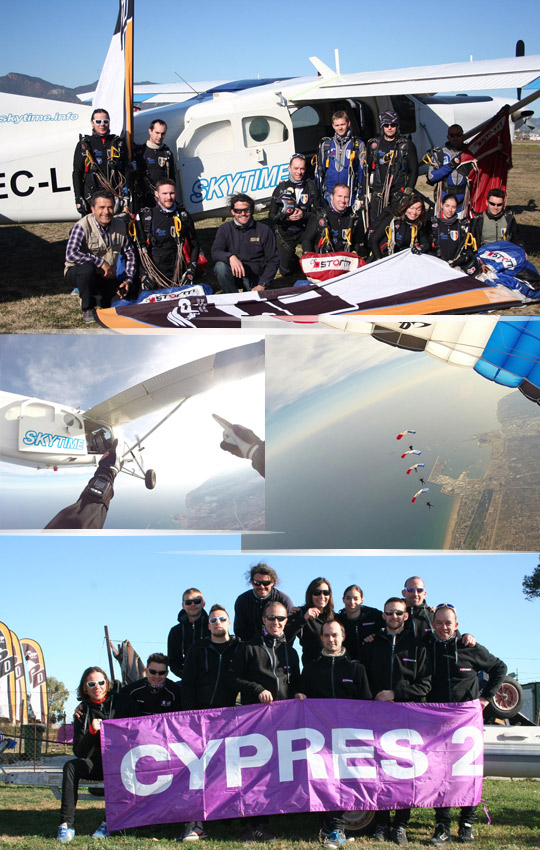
(95, 694)
(308, 621)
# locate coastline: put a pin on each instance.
(451, 522)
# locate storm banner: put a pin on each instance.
(291, 756)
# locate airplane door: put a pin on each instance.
(246, 152)
(45, 428)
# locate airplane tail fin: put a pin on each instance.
(114, 90)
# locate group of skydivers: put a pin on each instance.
(408, 652)
(362, 199)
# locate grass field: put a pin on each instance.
(29, 821)
(35, 298)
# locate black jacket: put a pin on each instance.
(454, 668)
(248, 610)
(368, 623)
(420, 619)
(254, 244)
(397, 663)
(182, 636)
(308, 199)
(139, 699)
(94, 156)
(158, 230)
(334, 677)
(87, 744)
(266, 664)
(308, 632)
(329, 230)
(207, 680)
(402, 233)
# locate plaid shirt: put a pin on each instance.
(78, 257)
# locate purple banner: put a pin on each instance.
(292, 756)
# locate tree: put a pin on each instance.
(58, 695)
(531, 584)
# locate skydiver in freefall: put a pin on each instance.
(429, 505)
(421, 481)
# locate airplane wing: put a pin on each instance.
(178, 383)
(459, 76)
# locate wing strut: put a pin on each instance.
(151, 431)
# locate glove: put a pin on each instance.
(110, 460)
(455, 161)
(238, 440)
(416, 249)
(188, 278)
(82, 206)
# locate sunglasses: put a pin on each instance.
(157, 672)
(297, 156)
(262, 582)
(278, 617)
(393, 124)
(394, 613)
(92, 685)
(101, 121)
(454, 135)
(217, 620)
(495, 204)
(241, 212)
(415, 589)
(445, 605)
(321, 593)
(195, 601)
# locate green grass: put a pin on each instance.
(29, 821)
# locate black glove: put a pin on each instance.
(82, 206)
(455, 161)
(188, 278)
(416, 249)
(110, 460)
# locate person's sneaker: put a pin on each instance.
(65, 833)
(399, 836)
(101, 831)
(465, 833)
(441, 836)
(333, 839)
(382, 833)
(88, 316)
(194, 831)
(262, 833)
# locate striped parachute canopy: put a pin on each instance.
(504, 350)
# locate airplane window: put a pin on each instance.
(210, 139)
(72, 421)
(306, 116)
(38, 410)
(263, 129)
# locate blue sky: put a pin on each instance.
(68, 590)
(66, 43)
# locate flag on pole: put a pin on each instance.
(35, 665)
(7, 671)
(492, 150)
(21, 697)
(114, 90)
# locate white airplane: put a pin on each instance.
(48, 434)
(239, 136)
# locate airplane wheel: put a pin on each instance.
(150, 479)
(508, 700)
(359, 822)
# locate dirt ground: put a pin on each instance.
(35, 297)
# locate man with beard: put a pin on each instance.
(340, 159)
(292, 202)
(244, 250)
(497, 223)
(153, 694)
(449, 171)
(249, 606)
(391, 167)
(168, 235)
(192, 626)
